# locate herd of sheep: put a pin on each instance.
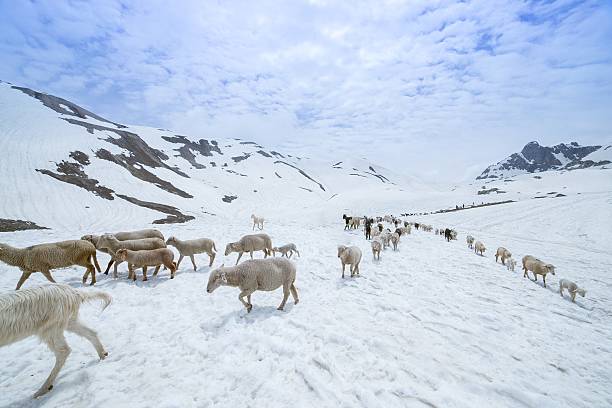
(48, 311)
(374, 227)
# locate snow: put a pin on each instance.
(430, 325)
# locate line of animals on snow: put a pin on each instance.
(50, 310)
(374, 227)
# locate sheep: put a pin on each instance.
(192, 247)
(47, 311)
(355, 222)
(45, 257)
(375, 232)
(257, 221)
(572, 288)
(376, 247)
(122, 236)
(286, 249)
(479, 247)
(112, 244)
(510, 264)
(250, 243)
(349, 256)
(257, 274)
(537, 267)
(470, 241)
(395, 240)
(385, 238)
(502, 253)
(148, 257)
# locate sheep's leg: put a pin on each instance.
(195, 268)
(131, 272)
(298, 252)
(212, 259)
(294, 293)
(253, 226)
(239, 256)
(144, 274)
(110, 263)
(92, 270)
(156, 270)
(95, 261)
(57, 343)
(251, 252)
(47, 275)
(573, 296)
(116, 265)
(24, 276)
(246, 293)
(343, 266)
(179, 261)
(75, 326)
(544, 279)
(286, 291)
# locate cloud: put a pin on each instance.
(432, 88)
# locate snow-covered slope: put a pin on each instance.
(57, 155)
(536, 158)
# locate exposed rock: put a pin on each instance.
(133, 166)
(7, 225)
(238, 159)
(536, 158)
(73, 173)
(228, 199)
(174, 215)
(61, 105)
(186, 151)
(301, 172)
(264, 153)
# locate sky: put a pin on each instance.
(437, 89)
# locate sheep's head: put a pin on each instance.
(229, 248)
(87, 238)
(341, 249)
(581, 292)
(171, 241)
(122, 254)
(216, 279)
(550, 268)
(508, 254)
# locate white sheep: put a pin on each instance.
(537, 267)
(145, 258)
(286, 249)
(349, 256)
(385, 237)
(122, 236)
(112, 244)
(479, 247)
(257, 221)
(511, 264)
(470, 241)
(572, 288)
(250, 243)
(376, 248)
(192, 247)
(395, 238)
(47, 311)
(257, 274)
(45, 257)
(502, 253)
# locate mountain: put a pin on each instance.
(535, 158)
(56, 154)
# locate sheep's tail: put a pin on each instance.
(95, 262)
(96, 295)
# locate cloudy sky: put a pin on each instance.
(435, 88)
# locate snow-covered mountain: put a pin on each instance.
(55, 154)
(536, 158)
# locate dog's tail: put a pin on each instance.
(89, 296)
